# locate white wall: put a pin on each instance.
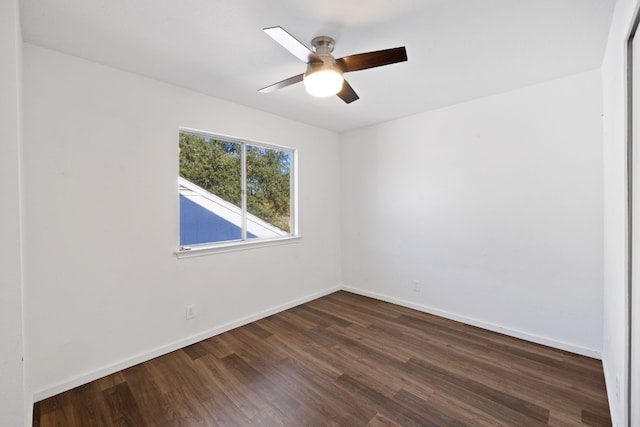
(13, 403)
(614, 355)
(495, 206)
(104, 288)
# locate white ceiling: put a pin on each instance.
(458, 49)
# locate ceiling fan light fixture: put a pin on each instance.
(323, 82)
(324, 73)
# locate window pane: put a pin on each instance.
(221, 201)
(210, 190)
(268, 191)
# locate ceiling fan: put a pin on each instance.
(324, 75)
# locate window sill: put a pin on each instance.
(195, 251)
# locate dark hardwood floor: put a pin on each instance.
(345, 360)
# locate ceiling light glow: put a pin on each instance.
(324, 82)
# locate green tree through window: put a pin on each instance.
(268, 185)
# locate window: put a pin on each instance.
(233, 191)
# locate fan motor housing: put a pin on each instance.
(323, 45)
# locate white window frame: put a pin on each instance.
(186, 251)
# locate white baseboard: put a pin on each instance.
(176, 345)
(484, 325)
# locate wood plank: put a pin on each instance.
(500, 369)
(241, 394)
(196, 350)
(388, 407)
(534, 414)
(148, 394)
(123, 406)
(381, 421)
(89, 405)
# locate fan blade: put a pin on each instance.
(362, 61)
(292, 44)
(284, 83)
(347, 94)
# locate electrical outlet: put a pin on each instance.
(191, 311)
(416, 285)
